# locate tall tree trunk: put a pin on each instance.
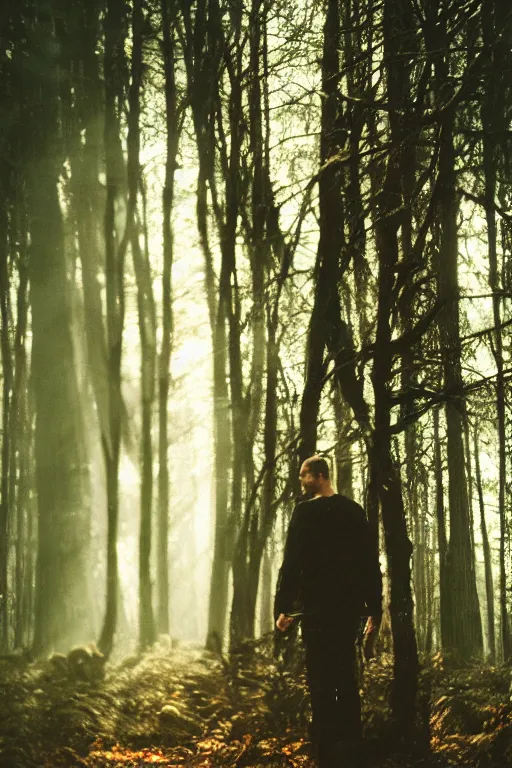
(259, 245)
(229, 306)
(266, 613)
(398, 545)
(331, 239)
(147, 333)
(115, 249)
(428, 581)
(200, 66)
(86, 161)
(407, 163)
(222, 460)
(357, 74)
(248, 549)
(342, 452)
(7, 384)
(489, 585)
(19, 436)
(492, 122)
(327, 328)
(441, 535)
(27, 482)
(62, 611)
(172, 136)
(417, 524)
(229, 294)
(464, 627)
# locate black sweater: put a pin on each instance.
(329, 566)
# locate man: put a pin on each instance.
(332, 573)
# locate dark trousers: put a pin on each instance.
(333, 684)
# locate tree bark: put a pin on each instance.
(201, 60)
(398, 545)
(164, 379)
(491, 123)
(88, 202)
(20, 435)
(342, 452)
(464, 628)
(489, 582)
(115, 249)
(229, 307)
(62, 610)
(147, 334)
(326, 307)
(441, 534)
(7, 384)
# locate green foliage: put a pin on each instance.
(183, 706)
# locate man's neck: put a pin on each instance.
(328, 490)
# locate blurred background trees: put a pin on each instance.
(232, 234)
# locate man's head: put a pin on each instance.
(314, 475)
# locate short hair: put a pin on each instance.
(318, 466)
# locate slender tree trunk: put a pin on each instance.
(222, 459)
(441, 535)
(327, 329)
(266, 613)
(147, 333)
(86, 162)
(489, 585)
(18, 475)
(7, 384)
(172, 136)
(27, 482)
(254, 524)
(428, 581)
(398, 545)
(492, 122)
(259, 246)
(417, 524)
(469, 474)
(229, 307)
(115, 30)
(25, 511)
(200, 67)
(62, 609)
(327, 268)
(357, 73)
(407, 170)
(465, 631)
(342, 453)
(229, 289)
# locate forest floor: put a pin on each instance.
(186, 707)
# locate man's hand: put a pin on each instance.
(371, 634)
(284, 622)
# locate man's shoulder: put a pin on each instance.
(304, 508)
(304, 502)
(348, 505)
(302, 505)
(337, 500)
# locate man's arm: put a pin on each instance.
(288, 581)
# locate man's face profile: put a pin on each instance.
(308, 481)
